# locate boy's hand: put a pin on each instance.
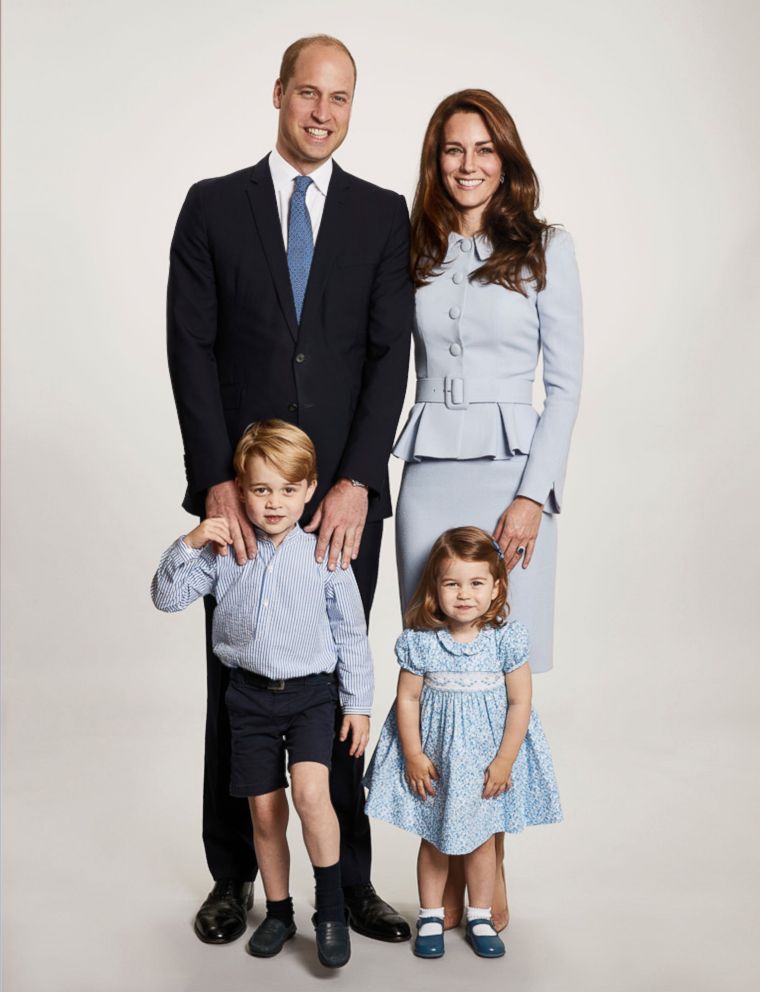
(419, 772)
(358, 725)
(212, 529)
(498, 778)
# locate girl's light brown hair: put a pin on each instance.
(517, 236)
(283, 445)
(466, 544)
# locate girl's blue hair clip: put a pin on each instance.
(499, 552)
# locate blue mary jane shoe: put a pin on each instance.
(489, 946)
(432, 946)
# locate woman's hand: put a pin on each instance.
(419, 771)
(517, 527)
(212, 529)
(498, 778)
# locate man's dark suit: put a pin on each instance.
(237, 354)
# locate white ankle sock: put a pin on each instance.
(431, 929)
(481, 929)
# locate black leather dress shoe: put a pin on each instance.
(371, 916)
(268, 938)
(333, 942)
(222, 916)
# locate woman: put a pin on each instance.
(495, 286)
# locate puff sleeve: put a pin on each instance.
(408, 655)
(513, 643)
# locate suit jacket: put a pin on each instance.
(237, 353)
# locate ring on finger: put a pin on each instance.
(520, 551)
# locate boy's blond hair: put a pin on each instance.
(283, 445)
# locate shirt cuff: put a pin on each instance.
(358, 710)
(184, 550)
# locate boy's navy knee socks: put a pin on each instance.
(329, 894)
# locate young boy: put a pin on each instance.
(294, 635)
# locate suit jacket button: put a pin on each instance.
(292, 407)
(300, 358)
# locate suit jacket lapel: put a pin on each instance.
(260, 192)
(329, 239)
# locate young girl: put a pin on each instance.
(458, 759)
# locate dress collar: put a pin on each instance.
(482, 246)
(459, 647)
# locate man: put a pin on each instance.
(289, 297)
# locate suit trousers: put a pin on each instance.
(227, 830)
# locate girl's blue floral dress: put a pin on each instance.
(462, 712)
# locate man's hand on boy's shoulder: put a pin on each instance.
(223, 500)
(214, 530)
(340, 517)
(357, 724)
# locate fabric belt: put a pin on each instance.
(457, 393)
(280, 685)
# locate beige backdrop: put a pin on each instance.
(641, 121)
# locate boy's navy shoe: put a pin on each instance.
(432, 945)
(487, 946)
(269, 936)
(333, 942)
(222, 916)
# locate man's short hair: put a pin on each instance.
(283, 445)
(290, 57)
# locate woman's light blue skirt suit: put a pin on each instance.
(473, 441)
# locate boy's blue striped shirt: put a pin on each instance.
(281, 615)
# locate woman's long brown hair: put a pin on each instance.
(466, 544)
(517, 236)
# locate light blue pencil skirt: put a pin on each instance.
(436, 495)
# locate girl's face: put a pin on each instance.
(465, 590)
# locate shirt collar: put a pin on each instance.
(262, 535)
(283, 173)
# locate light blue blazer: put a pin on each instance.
(476, 351)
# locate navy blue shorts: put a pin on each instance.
(264, 723)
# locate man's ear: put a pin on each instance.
(277, 94)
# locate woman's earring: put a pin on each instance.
(501, 178)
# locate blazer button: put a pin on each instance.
(454, 313)
(292, 407)
(458, 278)
(455, 349)
(465, 245)
(300, 358)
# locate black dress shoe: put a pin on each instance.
(222, 916)
(371, 916)
(333, 942)
(268, 937)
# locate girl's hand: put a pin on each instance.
(498, 778)
(517, 527)
(419, 772)
(358, 725)
(212, 529)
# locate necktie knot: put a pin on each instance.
(302, 184)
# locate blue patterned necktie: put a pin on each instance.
(300, 242)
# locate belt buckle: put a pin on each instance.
(276, 685)
(455, 393)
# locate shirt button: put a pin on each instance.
(454, 313)
(465, 245)
(300, 358)
(458, 278)
(455, 349)
(269, 568)
(292, 407)
(266, 602)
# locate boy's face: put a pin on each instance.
(272, 503)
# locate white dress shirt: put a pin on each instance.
(283, 176)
